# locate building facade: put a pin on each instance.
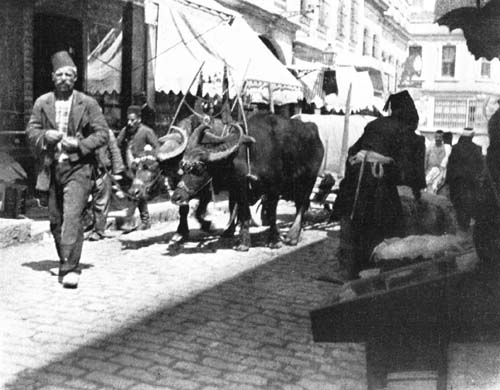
(370, 35)
(453, 89)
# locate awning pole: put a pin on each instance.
(184, 98)
(245, 126)
(345, 135)
(271, 101)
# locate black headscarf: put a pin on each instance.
(403, 108)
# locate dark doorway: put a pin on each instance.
(53, 33)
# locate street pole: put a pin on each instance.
(345, 135)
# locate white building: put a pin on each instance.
(370, 35)
(453, 90)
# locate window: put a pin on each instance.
(341, 19)
(448, 65)
(366, 42)
(415, 60)
(375, 47)
(455, 114)
(354, 22)
(485, 69)
(322, 13)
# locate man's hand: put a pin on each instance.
(53, 136)
(69, 144)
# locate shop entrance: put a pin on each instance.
(53, 33)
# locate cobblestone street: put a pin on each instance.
(207, 318)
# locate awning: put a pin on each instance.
(362, 96)
(375, 76)
(104, 64)
(317, 79)
(189, 35)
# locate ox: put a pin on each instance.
(283, 160)
(150, 173)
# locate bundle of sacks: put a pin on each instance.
(418, 246)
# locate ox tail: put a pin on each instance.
(234, 214)
(255, 211)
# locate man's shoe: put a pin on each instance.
(144, 226)
(71, 279)
(128, 227)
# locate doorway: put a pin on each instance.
(53, 33)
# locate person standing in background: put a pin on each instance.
(435, 162)
(148, 115)
(133, 141)
(109, 162)
(464, 168)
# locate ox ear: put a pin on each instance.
(228, 145)
(173, 144)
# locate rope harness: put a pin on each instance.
(377, 170)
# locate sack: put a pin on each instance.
(14, 200)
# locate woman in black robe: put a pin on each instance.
(388, 154)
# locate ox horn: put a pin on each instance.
(172, 144)
(196, 136)
(225, 146)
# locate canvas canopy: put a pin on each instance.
(312, 74)
(104, 64)
(190, 34)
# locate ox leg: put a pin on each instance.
(293, 235)
(271, 204)
(182, 233)
(244, 218)
(205, 198)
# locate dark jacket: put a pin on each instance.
(136, 141)
(465, 161)
(86, 122)
(109, 156)
(148, 116)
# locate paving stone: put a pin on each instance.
(98, 365)
(180, 354)
(138, 374)
(130, 361)
(223, 365)
(80, 384)
(110, 380)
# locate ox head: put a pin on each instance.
(205, 151)
(148, 169)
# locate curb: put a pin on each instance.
(26, 230)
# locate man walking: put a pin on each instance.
(109, 162)
(66, 127)
(134, 140)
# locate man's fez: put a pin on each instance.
(134, 110)
(61, 59)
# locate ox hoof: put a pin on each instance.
(241, 248)
(275, 245)
(228, 233)
(206, 226)
(291, 241)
